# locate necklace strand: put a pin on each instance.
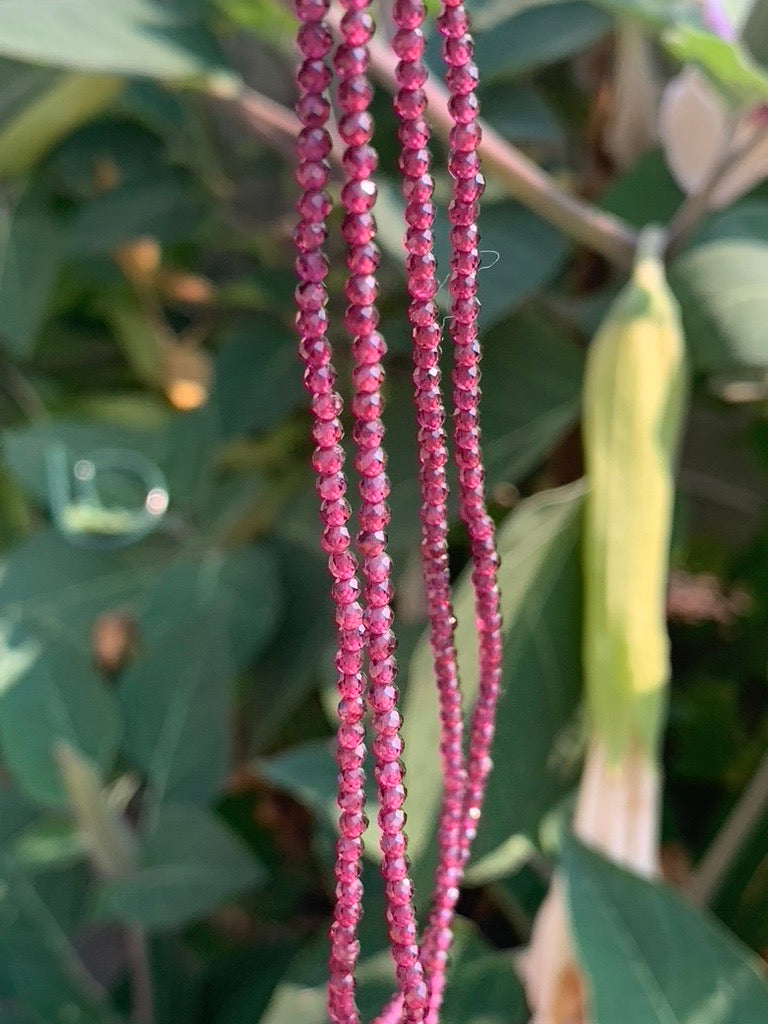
(366, 627)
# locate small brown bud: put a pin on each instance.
(113, 640)
(139, 260)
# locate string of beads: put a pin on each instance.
(364, 614)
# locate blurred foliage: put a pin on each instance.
(146, 286)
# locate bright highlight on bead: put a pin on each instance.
(362, 593)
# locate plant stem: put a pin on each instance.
(525, 181)
(695, 207)
(20, 390)
(706, 881)
(137, 960)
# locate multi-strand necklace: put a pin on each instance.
(361, 569)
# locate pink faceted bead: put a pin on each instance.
(408, 43)
(354, 94)
(357, 27)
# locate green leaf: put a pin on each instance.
(266, 18)
(123, 37)
(482, 986)
(183, 450)
(246, 983)
(646, 193)
(48, 845)
(728, 64)
(288, 668)
(531, 393)
(49, 584)
(309, 773)
(238, 586)
(257, 381)
(756, 32)
(49, 692)
(204, 619)
(520, 252)
(42, 968)
(166, 204)
(135, 335)
(32, 242)
(189, 864)
(485, 991)
(540, 585)
(17, 814)
(656, 13)
(521, 114)
(177, 708)
(721, 282)
(39, 107)
(683, 32)
(650, 957)
(536, 37)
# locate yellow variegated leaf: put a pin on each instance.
(633, 399)
(71, 100)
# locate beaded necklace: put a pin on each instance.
(361, 589)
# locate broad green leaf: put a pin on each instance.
(247, 988)
(683, 32)
(177, 709)
(48, 584)
(531, 394)
(485, 991)
(202, 621)
(239, 587)
(258, 379)
(17, 814)
(288, 668)
(728, 64)
(656, 13)
(482, 986)
(520, 253)
(182, 449)
(49, 693)
(538, 36)
(123, 37)
(166, 204)
(39, 964)
(756, 32)
(39, 107)
(540, 585)
(120, 146)
(266, 18)
(515, 38)
(721, 282)
(521, 114)
(53, 844)
(32, 243)
(136, 336)
(308, 772)
(650, 957)
(189, 864)
(644, 194)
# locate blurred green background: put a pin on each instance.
(167, 701)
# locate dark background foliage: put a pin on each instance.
(166, 707)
